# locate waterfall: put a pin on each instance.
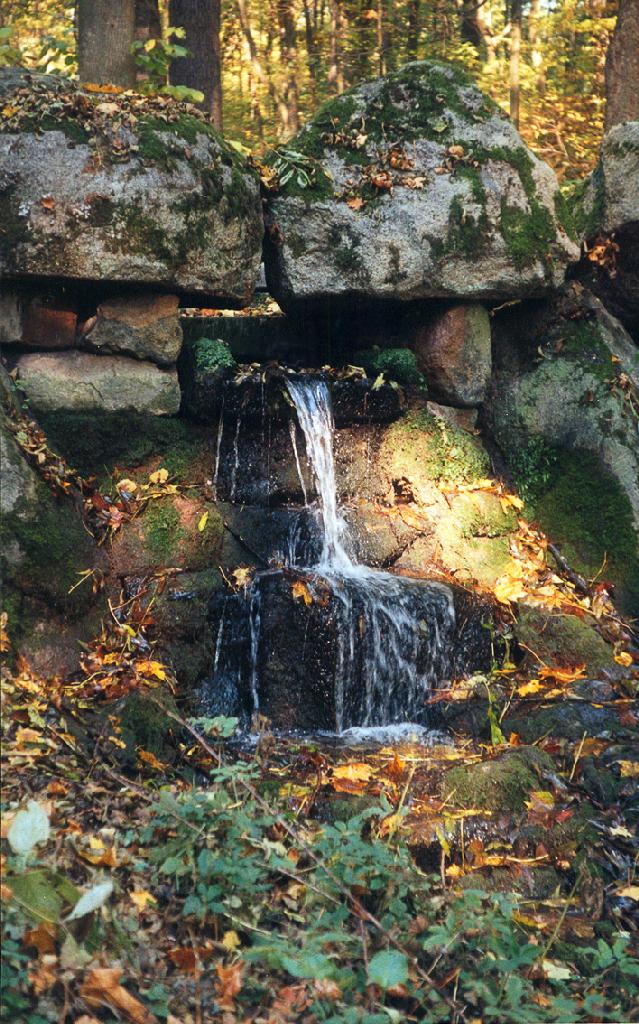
(313, 405)
(363, 647)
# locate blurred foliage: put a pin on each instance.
(270, 77)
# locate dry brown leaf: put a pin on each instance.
(230, 983)
(102, 986)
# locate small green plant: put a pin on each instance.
(289, 164)
(153, 57)
(212, 354)
(534, 465)
(398, 364)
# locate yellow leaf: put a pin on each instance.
(231, 941)
(203, 521)
(151, 668)
(533, 686)
(300, 590)
(355, 203)
(148, 758)
(562, 675)
(126, 485)
(141, 898)
(242, 576)
(629, 769)
(159, 477)
(631, 892)
(624, 659)
(356, 772)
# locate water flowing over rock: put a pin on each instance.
(336, 644)
(423, 188)
(114, 189)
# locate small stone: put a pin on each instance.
(82, 382)
(454, 353)
(145, 326)
(37, 320)
(465, 419)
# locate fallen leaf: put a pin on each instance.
(631, 892)
(149, 758)
(624, 658)
(184, 959)
(299, 590)
(159, 477)
(203, 521)
(102, 985)
(629, 769)
(230, 983)
(356, 203)
(141, 898)
(93, 899)
(28, 828)
(231, 941)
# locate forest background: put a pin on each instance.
(267, 65)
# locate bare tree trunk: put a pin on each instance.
(535, 48)
(312, 48)
(261, 73)
(288, 54)
(515, 51)
(622, 67)
(412, 29)
(106, 32)
(148, 24)
(202, 69)
(336, 66)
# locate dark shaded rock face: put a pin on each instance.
(453, 204)
(328, 652)
(608, 211)
(104, 188)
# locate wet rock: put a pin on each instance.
(454, 354)
(168, 203)
(497, 785)
(36, 319)
(568, 719)
(454, 204)
(365, 401)
(307, 648)
(259, 339)
(77, 381)
(597, 690)
(563, 641)
(145, 326)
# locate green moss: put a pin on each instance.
(585, 511)
(500, 785)
(49, 123)
(398, 364)
(419, 444)
(582, 341)
(138, 232)
(467, 234)
(528, 234)
(564, 215)
(146, 725)
(211, 354)
(585, 199)
(95, 443)
(162, 530)
(563, 640)
(477, 515)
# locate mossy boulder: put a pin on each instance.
(420, 188)
(423, 451)
(178, 531)
(145, 724)
(563, 410)
(136, 192)
(501, 784)
(562, 641)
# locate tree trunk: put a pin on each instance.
(313, 54)
(622, 67)
(202, 69)
(148, 24)
(106, 32)
(412, 29)
(336, 67)
(288, 54)
(515, 50)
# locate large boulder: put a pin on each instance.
(563, 409)
(420, 187)
(118, 187)
(82, 382)
(607, 218)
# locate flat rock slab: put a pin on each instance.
(81, 382)
(421, 188)
(121, 188)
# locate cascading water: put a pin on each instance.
(368, 646)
